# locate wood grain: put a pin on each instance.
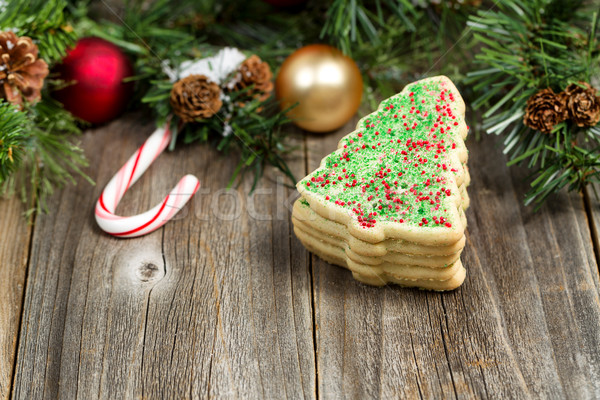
(526, 323)
(225, 302)
(237, 304)
(14, 248)
(216, 302)
(591, 197)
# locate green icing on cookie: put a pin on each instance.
(396, 165)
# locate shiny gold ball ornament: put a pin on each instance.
(326, 84)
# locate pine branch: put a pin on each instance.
(352, 21)
(528, 46)
(13, 139)
(53, 157)
(253, 130)
(42, 20)
(37, 139)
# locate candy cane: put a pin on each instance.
(141, 224)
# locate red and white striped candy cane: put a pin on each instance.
(141, 224)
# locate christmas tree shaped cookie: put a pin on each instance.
(389, 203)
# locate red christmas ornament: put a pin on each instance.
(99, 68)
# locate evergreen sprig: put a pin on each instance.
(38, 138)
(386, 37)
(159, 35)
(254, 131)
(354, 21)
(13, 139)
(55, 156)
(45, 21)
(527, 46)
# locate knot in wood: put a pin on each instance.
(148, 271)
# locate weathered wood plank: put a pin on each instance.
(15, 237)
(216, 302)
(539, 271)
(85, 287)
(566, 273)
(591, 195)
(257, 340)
(526, 323)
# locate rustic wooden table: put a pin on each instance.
(225, 302)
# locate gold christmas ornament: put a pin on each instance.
(326, 84)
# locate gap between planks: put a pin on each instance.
(18, 333)
(15, 250)
(593, 222)
(312, 279)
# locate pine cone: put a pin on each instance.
(22, 73)
(254, 71)
(582, 104)
(544, 110)
(195, 97)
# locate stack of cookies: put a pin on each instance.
(389, 203)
